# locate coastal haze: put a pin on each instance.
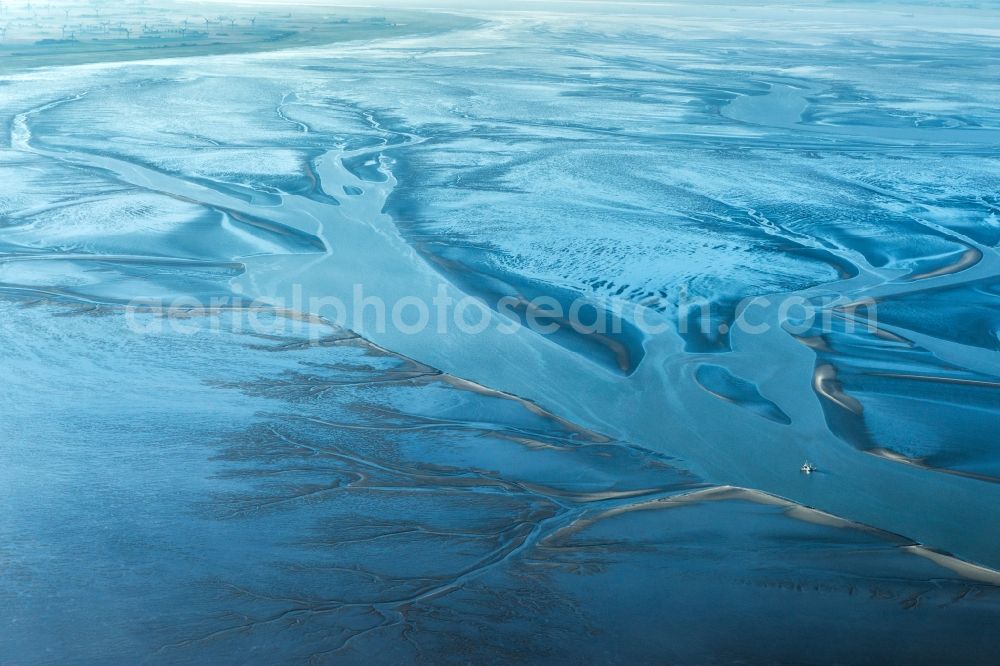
(639, 332)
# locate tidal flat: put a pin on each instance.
(789, 215)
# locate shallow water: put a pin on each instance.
(251, 475)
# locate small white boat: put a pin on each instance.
(807, 467)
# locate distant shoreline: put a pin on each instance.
(294, 31)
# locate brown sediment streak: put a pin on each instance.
(251, 220)
(345, 335)
(622, 357)
(433, 374)
(724, 494)
(895, 457)
(964, 569)
(968, 259)
(308, 170)
(846, 313)
(817, 342)
(715, 394)
(598, 496)
(468, 385)
(794, 510)
(889, 335)
(275, 227)
(849, 308)
(667, 502)
(533, 443)
(918, 462)
(937, 378)
(531, 406)
(826, 384)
